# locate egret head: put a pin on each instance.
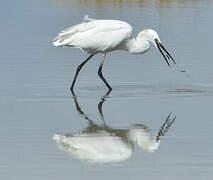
(151, 36)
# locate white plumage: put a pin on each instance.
(102, 36)
(95, 36)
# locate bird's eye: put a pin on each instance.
(156, 40)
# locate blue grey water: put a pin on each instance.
(36, 104)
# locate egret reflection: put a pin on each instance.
(104, 144)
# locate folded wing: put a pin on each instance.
(94, 35)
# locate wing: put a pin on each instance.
(65, 37)
(95, 35)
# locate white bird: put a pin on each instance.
(103, 36)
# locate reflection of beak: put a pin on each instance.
(166, 56)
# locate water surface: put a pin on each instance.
(36, 104)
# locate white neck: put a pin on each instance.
(142, 136)
(137, 46)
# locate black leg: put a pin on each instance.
(100, 73)
(78, 70)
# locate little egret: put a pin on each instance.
(103, 36)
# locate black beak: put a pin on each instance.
(166, 56)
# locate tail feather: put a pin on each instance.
(65, 37)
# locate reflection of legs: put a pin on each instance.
(78, 70)
(78, 108)
(100, 72)
(81, 112)
(100, 107)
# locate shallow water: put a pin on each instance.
(36, 104)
